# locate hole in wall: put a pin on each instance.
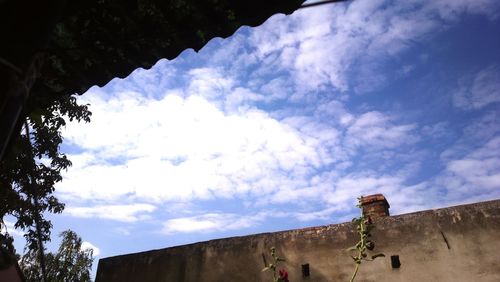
(395, 263)
(305, 270)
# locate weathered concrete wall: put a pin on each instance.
(470, 252)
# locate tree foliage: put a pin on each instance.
(70, 263)
(34, 163)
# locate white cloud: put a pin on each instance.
(122, 231)
(322, 46)
(471, 172)
(375, 130)
(324, 214)
(211, 222)
(453, 9)
(210, 83)
(9, 228)
(335, 110)
(276, 89)
(349, 187)
(475, 174)
(125, 213)
(184, 148)
(338, 193)
(436, 130)
(474, 135)
(95, 250)
(482, 90)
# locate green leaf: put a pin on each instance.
(378, 256)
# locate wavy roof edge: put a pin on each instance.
(81, 55)
(196, 49)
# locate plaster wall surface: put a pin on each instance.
(452, 244)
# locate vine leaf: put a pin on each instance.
(378, 256)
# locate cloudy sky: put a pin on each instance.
(282, 126)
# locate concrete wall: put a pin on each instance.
(451, 244)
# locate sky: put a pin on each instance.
(284, 125)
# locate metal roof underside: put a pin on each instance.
(97, 40)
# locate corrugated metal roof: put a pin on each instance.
(97, 40)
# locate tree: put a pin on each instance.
(70, 263)
(33, 166)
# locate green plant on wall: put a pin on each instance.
(364, 225)
(282, 274)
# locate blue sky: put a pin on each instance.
(282, 126)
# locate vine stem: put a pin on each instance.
(362, 243)
(355, 272)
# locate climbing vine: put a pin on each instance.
(273, 266)
(364, 225)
